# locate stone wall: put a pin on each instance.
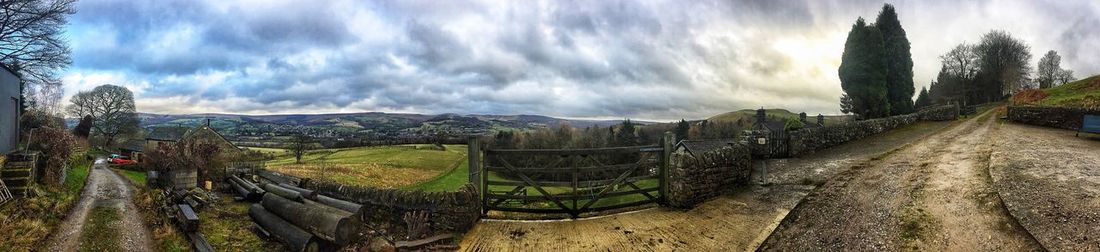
(939, 113)
(448, 211)
(808, 140)
(694, 179)
(1057, 117)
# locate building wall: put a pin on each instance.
(9, 111)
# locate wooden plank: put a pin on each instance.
(570, 197)
(537, 186)
(422, 242)
(563, 170)
(580, 183)
(570, 152)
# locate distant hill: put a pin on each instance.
(1084, 93)
(748, 116)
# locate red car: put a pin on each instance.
(121, 161)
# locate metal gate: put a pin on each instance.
(571, 181)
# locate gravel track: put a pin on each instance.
(934, 195)
(104, 187)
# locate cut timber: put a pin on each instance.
(295, 238)
(421, 242)
(324, 224)
(340, 204)
(306, 193)
(283, 192)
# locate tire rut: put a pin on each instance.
(104, 188)
(896, 201)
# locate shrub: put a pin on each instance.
(793, 124)
(57, 145)
(201, 155)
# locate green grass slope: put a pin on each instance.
(403, 166)
(1081, 93)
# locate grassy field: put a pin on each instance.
(402, 166)
(137, 177)
(1081, 93)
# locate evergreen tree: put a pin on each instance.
(922, 99)
(899, 61)
(682, 129)
(625, 136)
(863, 71)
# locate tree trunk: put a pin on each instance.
(324, 224)
(295, 238)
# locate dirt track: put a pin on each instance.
(736, 222)
(934, 195)
(1050, 181)
(104, 187)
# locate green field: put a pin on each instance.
(1081, 93)
(402, 166)
(748, 116)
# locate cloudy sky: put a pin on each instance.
(657, 60)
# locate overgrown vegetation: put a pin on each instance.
(164, 233)
(227, 227)
(188, 153)
(28, 223)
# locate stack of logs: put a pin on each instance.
(300, 218)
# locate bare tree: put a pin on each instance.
(1003, 61)
(961, 61)
(1065, 76)
(112, 109)
(299, 145)
(31, 42)
(1049, 69)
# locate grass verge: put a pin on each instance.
(101, 231)
(26, 224)
(164, 234)
(227, 227)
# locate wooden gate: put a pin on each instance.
(779, 143)
(572, 181)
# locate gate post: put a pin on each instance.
(666, 155)
(473, 152)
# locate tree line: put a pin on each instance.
(877, 78)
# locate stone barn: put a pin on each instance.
(188, 177)
(10, 100)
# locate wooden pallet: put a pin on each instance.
(18, 173)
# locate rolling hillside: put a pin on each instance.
(1082, 93)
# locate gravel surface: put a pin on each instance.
(934, 194)
(1050, 181)
(739, 221)
(104, 187)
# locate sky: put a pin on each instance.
(642, 59)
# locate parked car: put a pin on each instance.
(121, 161)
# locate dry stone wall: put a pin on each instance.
(808, 140)
(448, 211)
(1056, 117)
(696, 178)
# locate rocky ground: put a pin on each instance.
(934, 194)
(104, 188)
(1050, 181)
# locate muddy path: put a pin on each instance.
(935, 194)
(104, 188)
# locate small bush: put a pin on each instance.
(57, 145)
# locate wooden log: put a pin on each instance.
(330, 208)
(248, 185)
(239, 188)
(340, 204)
(306, 193)
(295, 238)
(283, 192)
(324, 224)
(189, 221)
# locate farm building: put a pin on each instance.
(132, 149)
(10, 99)
(187, 177)
(698, 147)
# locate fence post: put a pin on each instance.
(666, 155)
(473, 152)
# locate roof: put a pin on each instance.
(133, 145)
(167, 133)
(702, 146)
